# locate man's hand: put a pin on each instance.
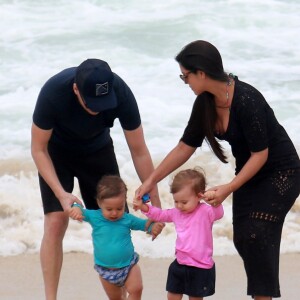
(67, 200)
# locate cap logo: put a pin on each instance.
(101, 89)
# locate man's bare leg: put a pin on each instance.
(51, 252)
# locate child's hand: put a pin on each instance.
(156, 229)
(75, 213)
(137, 203)
(209, 195)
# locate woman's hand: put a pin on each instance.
(216, 195)
(145, 188)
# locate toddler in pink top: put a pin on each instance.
(193, 271)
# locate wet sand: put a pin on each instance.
(21, 278)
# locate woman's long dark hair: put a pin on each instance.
(203, 56)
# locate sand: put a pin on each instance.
(21, 278)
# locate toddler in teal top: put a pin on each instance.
(114, 256)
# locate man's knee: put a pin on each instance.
(55, 224)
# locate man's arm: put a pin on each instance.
(40, 155)
(141, 159)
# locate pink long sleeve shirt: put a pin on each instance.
(194, 243)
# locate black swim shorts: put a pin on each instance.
(88, 169)
(191, 281)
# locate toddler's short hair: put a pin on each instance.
(110, 186)
(194, 177)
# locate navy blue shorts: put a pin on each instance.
(88, 169)
(191, 281)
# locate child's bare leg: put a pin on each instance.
(112, 291)
(172, 296)
(134, 283)
(262, 298)
(195, 298)
(124, 292)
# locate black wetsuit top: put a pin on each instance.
(74, 129)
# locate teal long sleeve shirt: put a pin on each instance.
(113, 247)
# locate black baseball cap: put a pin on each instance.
(94, 80)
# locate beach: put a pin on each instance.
(257, 42)
(21, 278)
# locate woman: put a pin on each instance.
(267, 180)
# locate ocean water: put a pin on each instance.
(257, 39)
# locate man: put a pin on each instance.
(71, 138)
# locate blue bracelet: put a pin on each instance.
(76, 205)
(146, 198)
